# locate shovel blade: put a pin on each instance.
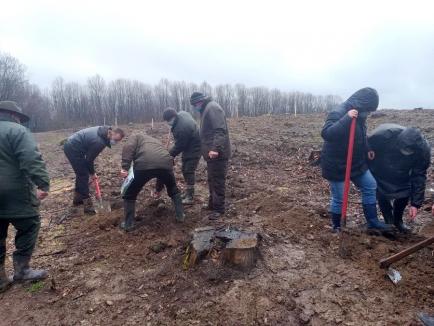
(103, 207)
(394, 275)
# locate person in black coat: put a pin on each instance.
(402, 157)
(81, 150)
(187, 141)
(335, 133)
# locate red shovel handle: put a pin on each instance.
(348, 171)
(97, 188)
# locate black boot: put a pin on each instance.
(388, 218)
(77, 200)
(128, 223)
(23, 272)
(179, 209)
(370, 212)
(336, 222)
(401, 226)
(88, 207)
(5, 281)
(426, 319)
(189, 195)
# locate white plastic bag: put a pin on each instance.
(127, 181)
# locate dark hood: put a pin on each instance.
(411, 138)
(364, 100)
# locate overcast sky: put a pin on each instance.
(322, 47)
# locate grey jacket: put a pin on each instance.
(89, 143)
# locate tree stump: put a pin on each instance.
(242, 252)
(234, 247)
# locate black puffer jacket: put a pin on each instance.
(89, 143)
(186, 134)
(336, 132)
(399, 175)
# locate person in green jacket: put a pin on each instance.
(24, 182)
(150, 160)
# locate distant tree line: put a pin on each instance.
(71, 104)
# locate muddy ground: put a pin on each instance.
(103, 276)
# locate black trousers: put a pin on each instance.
(189, 166)
(165, 177)
(392, 210)
(217, 171)
(27, 230)
(81, 170)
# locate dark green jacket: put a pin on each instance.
(186, 135)
(214, 132)
(146, 153)
(21, 169)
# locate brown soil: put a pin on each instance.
(102, 276)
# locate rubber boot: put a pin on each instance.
(88, 207)
(189, 195)
(77, 200)
(401, 226)
(179, 209)
(128, 224)
(370, 212)
(426, 319)
(5, 281)
(23, 272)
(336, 222)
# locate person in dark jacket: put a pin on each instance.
(150, 160)
(81, 149)
(187, 141)
(216, 149)
(335, 133)
(24, 182)
(402, 157)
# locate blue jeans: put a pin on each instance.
(365, 183)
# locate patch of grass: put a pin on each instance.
(36, 287)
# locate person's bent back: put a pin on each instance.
(81, 149)
(150, 160)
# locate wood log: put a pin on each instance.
(201, 245)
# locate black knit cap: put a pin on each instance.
(169, 114)
(197, 97)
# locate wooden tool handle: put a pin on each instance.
(97, 188)
(386, 262)
(348, 171)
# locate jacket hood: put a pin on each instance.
(364, 100)
(411, 139)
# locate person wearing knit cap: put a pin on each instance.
(216, 150)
